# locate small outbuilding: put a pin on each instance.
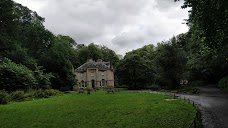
(94, 74)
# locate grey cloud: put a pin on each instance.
(165, 5)
(122, 25)
(126, 39)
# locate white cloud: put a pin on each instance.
(122, 25)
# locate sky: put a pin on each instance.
(121, 25)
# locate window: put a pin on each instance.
(83, 83)
(92, 73)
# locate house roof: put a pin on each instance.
(92, 64)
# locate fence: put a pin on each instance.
(196, 121)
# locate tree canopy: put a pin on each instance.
(33, 57)
(207, 39)
(48, 60)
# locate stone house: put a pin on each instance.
(94, 74)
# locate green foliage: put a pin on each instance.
(163, 65)
(33, 94)
(223, 83)
(7, 25)
(53, 92)
(147, 52)
(199, 55)
(109, 55)
(91, 51)
(96, 52)
(153, 87)
(26, 17)
(15, 76)
(4, 97)
(6, 17)
(17, 96)
(43, 79)
(189, 90)
(210, 18)
(44, 93)
(134, 72)
(198, 83)
(59, 60)
(37, 40)
(170, 63)
(25, 40)
(207, 39)
(137, 70)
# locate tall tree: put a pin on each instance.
(133, 72)
(6, 16)
(59, 60)
(208, 22)
(7, 27)
(109, 55)
(170, 63)
(91, 51)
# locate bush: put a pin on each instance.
(34, 94)
(15, 76)
(53, 92)
(153, 87)
(4, 97)
(29, 95)
(18, 96)
(40, 94)
(189, 90)
(223, 83)
(42, 78)
(45, 93)
(195, 90)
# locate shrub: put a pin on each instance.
(44, 93)
(18, 96)
(195, 90)
(223, 83)
(15, 76)
(40, 94)
(153, 87)
(28, 95)
(198, 83)
(42, 78)
(53, 92)
(189, 90)
(4, 97)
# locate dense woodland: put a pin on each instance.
(33, 57)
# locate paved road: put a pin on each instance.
(214, 106)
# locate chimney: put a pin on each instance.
(89, 60)
(99, 60)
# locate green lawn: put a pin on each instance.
(98, 110)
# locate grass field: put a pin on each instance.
(98, 110)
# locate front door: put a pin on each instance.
(103, 82)
(93, 83)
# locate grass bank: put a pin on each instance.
(123, 109)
